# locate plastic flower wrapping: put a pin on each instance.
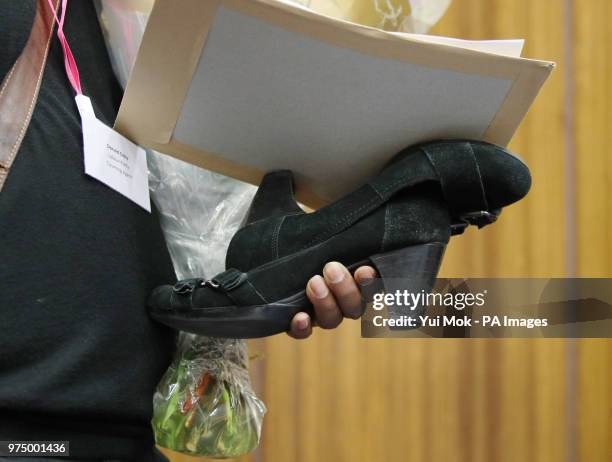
(413, 16)
(204, 404)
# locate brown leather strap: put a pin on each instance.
(19, 90)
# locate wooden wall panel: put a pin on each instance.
(593, 76)
(521, 413)
(592, 53)
(339, 398)
(529, 239)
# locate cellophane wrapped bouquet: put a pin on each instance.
(204, 404)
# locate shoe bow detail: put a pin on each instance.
(187, 286)
(228, 280)
(235, 286)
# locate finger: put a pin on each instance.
(301, 326)
(327, 313)
(344, 289)
(364, 275)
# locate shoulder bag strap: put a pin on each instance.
(19, 90)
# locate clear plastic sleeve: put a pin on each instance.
(204, 404)
(414, 16)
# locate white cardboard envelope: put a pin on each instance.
(242, 87)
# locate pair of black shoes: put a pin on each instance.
(399, 222)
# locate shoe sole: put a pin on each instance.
(411, 268)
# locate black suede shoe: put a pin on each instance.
(399, 222)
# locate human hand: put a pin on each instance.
(335, 295)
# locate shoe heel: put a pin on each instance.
(411, 269)
(274, 197)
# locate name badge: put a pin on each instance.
(113, 159)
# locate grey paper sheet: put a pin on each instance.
(282, 100)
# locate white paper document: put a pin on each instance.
(513, 47)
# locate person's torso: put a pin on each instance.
(79, 355)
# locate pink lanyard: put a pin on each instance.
(71, 68)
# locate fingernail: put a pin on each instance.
(365, 276)
(318, 287)
(365, 282)
(333, 272)
(301, 321)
